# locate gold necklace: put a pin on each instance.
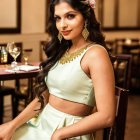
(67, 58)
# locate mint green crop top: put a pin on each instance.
(68, 81)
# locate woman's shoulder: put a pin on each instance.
(96, 50)
(97, 55)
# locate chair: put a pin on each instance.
(110, 46)
(23, 89)
(122, 70)
(134, 50)
(117, 131)
(20, 96)
(4, 91)
(132, 47)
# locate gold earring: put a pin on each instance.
(59, 37)
(85, 32)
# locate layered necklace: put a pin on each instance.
(67, 57)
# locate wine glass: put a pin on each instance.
(14, 52)
(26, 58)
(26, 55)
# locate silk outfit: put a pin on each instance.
(67, 81)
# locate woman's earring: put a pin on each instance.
(59, 37)
(85, 32)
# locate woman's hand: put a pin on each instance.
(57, 135)
(6, 131)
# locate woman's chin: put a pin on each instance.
(67, 38)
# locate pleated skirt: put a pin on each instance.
(42, 127)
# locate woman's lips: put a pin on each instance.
(65, 33)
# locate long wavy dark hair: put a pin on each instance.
(54, 49)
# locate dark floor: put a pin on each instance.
(132, 122)
(133, 118)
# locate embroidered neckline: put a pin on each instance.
(67, 58)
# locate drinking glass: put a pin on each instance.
(26, 55)
(14, 51)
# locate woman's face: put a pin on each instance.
(69, 22)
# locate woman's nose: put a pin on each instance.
(63, 24)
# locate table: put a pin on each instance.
(19, 75)
(4, 75)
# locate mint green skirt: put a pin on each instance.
(42, 127)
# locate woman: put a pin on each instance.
(77, 73)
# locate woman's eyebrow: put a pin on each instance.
(70, 12)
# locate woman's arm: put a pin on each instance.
(30, 111)
(27, 113)
(7, 129)
(102, 75)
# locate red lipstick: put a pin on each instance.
(65, 33)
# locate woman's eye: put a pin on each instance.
(56, 18)
(70, 16)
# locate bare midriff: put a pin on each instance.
(69, 107)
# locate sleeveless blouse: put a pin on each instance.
(68, 81)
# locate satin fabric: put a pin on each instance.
(48, 121)
(68, 81)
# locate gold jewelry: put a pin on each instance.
(85, 32)
(59, 37)
(67, 58)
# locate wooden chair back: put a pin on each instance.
(122, 70)
(134, 50)
(117, 131)
(110, 44)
